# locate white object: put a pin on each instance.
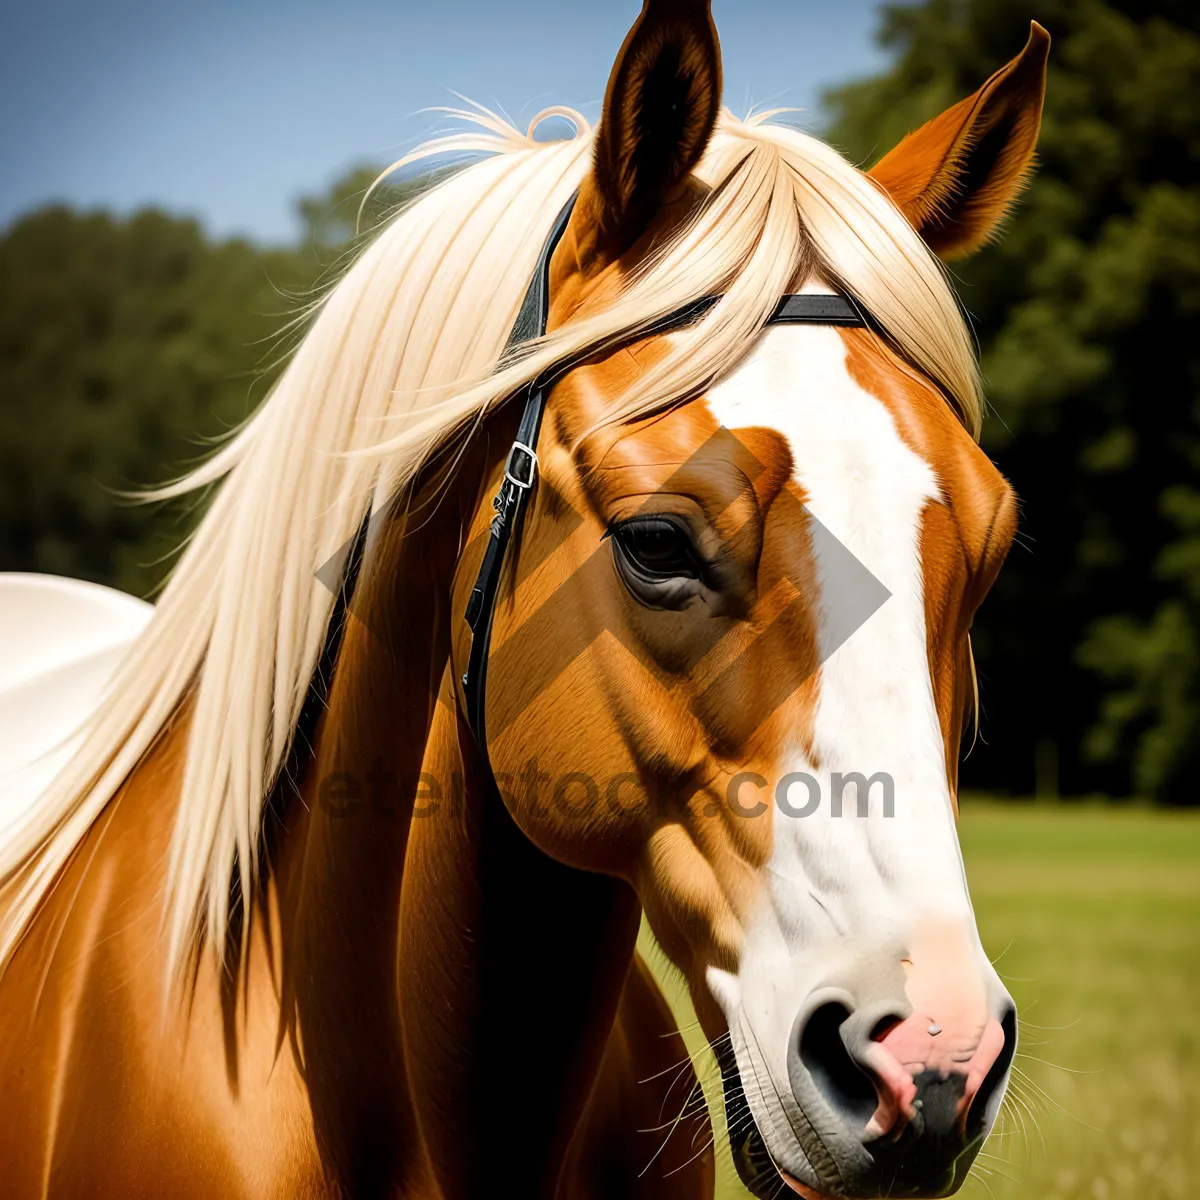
(60, 642)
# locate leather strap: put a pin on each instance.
(520, 472)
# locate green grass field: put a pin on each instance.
(1092, 916)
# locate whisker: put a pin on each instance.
(682, 1166)
(1037, 1092)
(1045, 1062)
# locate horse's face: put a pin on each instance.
(734, 671)
(705, 721)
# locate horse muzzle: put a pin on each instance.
(893, 1089)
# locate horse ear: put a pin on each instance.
(957, 176)
(660, 108)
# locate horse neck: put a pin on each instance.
(453, 986)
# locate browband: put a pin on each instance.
(521, 465)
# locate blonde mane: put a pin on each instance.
(403, 355)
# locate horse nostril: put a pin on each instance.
(847, 1088)
(979, 1113)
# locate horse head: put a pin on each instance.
(735, 644)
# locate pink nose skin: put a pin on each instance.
(919, 1044)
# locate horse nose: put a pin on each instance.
(945, 1078)
(916, 1091)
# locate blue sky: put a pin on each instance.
(231, 111)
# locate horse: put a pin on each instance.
(284, 925)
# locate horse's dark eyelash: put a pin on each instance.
(634, 522)
(696, 560)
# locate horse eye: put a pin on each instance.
(658, 548)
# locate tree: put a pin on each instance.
(358, 203)
(126, 346)
(1086, 312)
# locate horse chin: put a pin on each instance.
(756, 1168)
(758, 1172)
(806, 1192)
(754, 1164)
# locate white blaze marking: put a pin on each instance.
(839, 887)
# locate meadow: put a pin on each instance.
(1092, 916)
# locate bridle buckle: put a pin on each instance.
(513, 464)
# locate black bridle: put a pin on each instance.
(521, 464)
